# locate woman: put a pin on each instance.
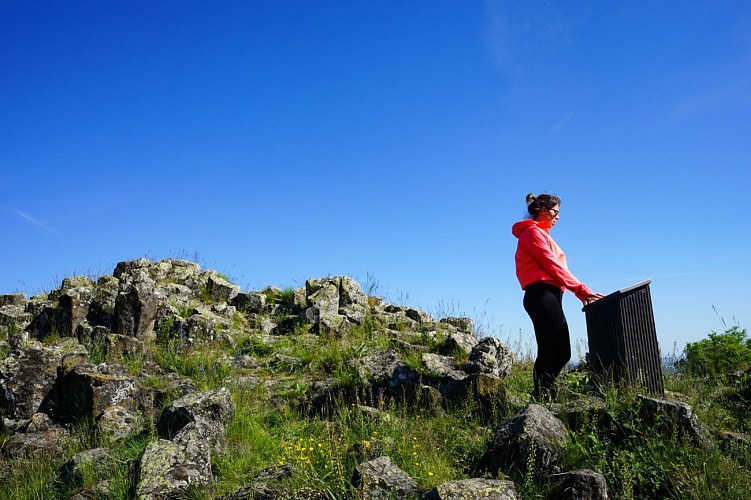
(543, 274)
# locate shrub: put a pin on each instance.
(719, 354)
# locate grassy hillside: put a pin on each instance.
(287, 419)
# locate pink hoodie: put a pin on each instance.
(540, 259)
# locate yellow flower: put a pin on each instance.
(430, 473)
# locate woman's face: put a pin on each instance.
(549, 215)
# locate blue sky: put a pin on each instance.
(393, 142)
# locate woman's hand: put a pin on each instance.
(595, 296)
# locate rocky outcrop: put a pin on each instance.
(54, 376)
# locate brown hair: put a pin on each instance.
(537, 203)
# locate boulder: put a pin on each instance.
(74, 302)
(125, 268)
(45, 317)
(170, 470)
(102, 308)
(41, 436)
(323, 306)
(28, 377)
(383, 479)
(377, 368)
(533, 437)
(676, 416)
(250, 302)
(472, 489)
(12, 299)
(580, 485)
(14, 317)
(443, 367)
(136, 307)
(220, 289)
(464, 325)
(87, 390)
(212, 406)
(457, 342)
(490, 356)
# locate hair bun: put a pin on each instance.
(530, 198)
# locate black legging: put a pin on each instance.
(543, 303)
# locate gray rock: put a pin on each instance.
(169, 470)
(48, 442)
(472, 489)
(14, 317)
(87, 390)
(74, 301)
(136, 308)
(201, 328)
(462, 324)
(177, 271)
(350, 293)
(355, 313)
(580, 485)
(533, 436)
(457, 341)
(212, 406)
(443, 367)
(102, 307)
(45, 317)
(383, 479)
(122, 269)
(377, 368)
(250, 302)
(490, 356)
(27, 378)
(119, 346)
(323, 305)
(220, 289)
(673, 415)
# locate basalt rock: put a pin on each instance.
(87, 390)
(532, 435)
(472, 489)
(212, 406)
(382, 479)
(28, 377)
(40, 436)
(580, 485)
(490, 356)
(136, 307)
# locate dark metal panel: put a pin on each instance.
(623, 340)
